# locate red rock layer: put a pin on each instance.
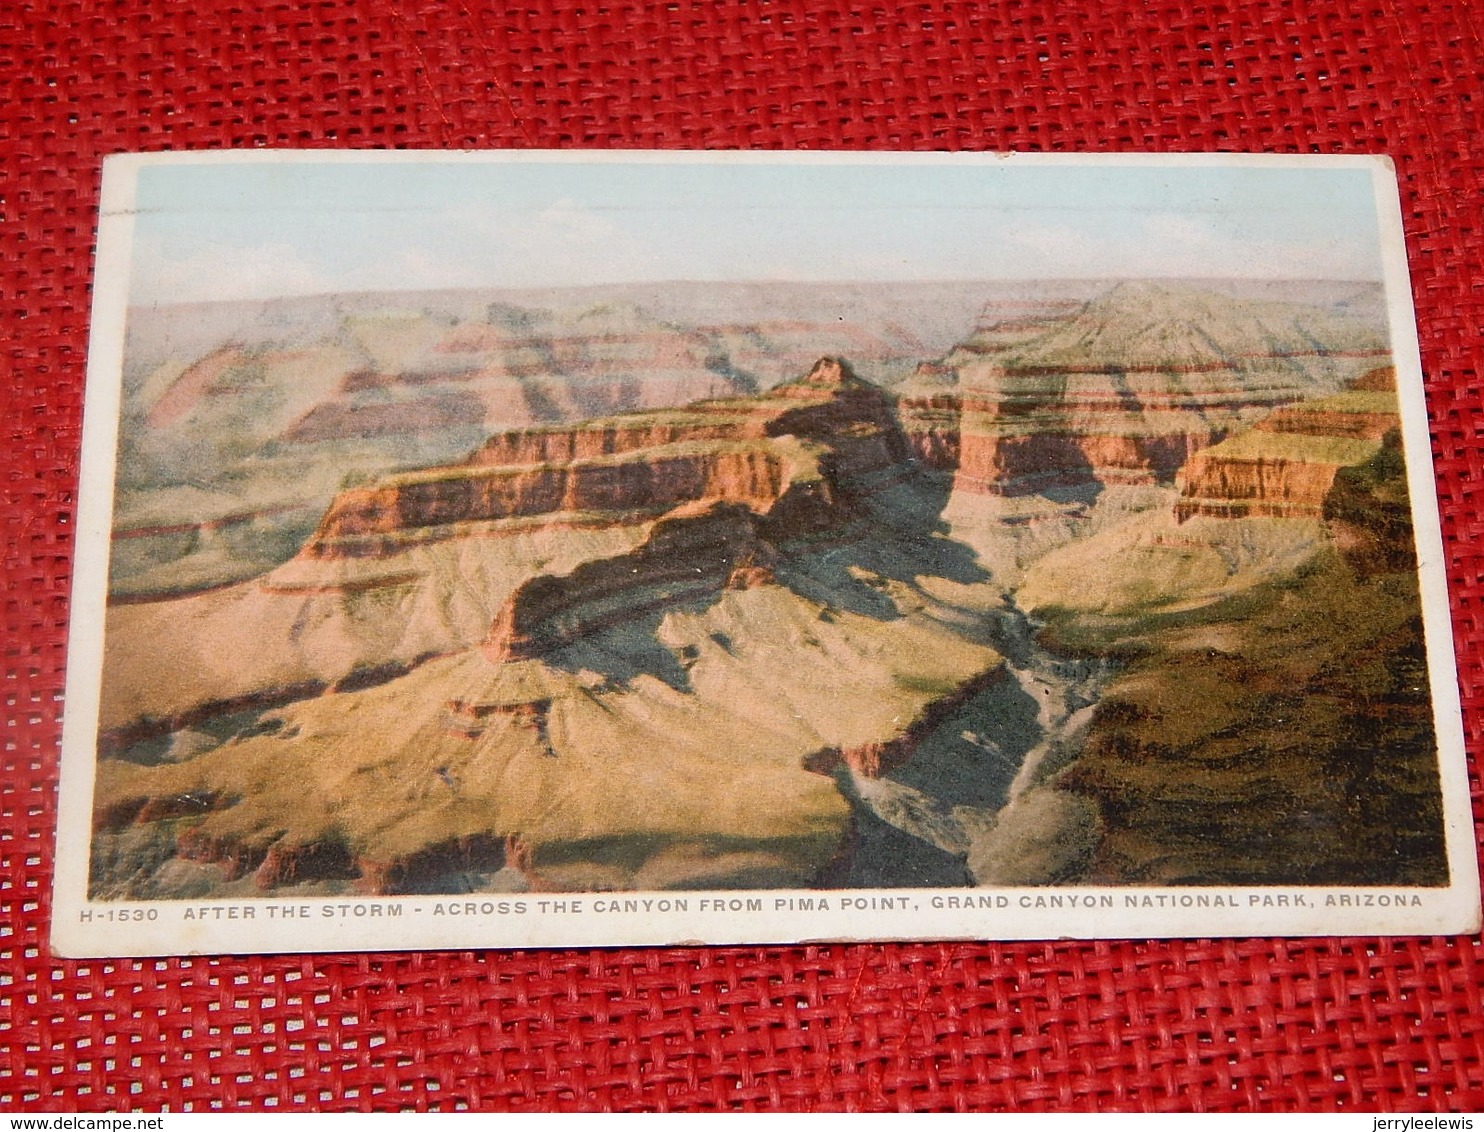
(685, 556)
(635, 465)
(338, 420)
(724, 479)
(279, 865)
(318, 860)
(1030, 435)
(717, 540)
(1221, 486)
(471, 719)
(1382, 379)
(364, 522)
(932, 425)
(1024, 465)
(221, 522)
(1311, 422)
(1090, 394)
(853, 420)
(184, 393)
(232, 857)
(590, 442)
(1225, 488)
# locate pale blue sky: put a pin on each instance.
(244, 230)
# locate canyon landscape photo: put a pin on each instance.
(526, 529)
(464, 594)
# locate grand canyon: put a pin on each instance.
(746, 586)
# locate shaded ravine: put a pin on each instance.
(968, 808)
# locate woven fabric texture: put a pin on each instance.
(1245, 1024)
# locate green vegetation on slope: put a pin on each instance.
(1283, 735)
(1295, 447)
(1354, 401)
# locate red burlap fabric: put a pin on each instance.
(1245, 1024)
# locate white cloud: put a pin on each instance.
(460, 246)
(561, 243)
(1176, 245)
(222, 271)
(567, 222)
(568, 243)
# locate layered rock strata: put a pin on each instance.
(829, 437)
(820, 434)
(1285, 465)
(632, 653)
(1288, 737)
(417, 565)
(1123, 391)
(267, 410)
(376, 521)
(668, 695)
(685, 556)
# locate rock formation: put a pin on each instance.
(1123, 391)
(758, 639)
(750, 537)
(827, 432)
(825, 441)
(1285, 465)
(880, 757)
(685, 556)
(264, 411)
(1287, 737)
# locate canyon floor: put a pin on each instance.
(1118, 588)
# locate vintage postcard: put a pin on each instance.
(545, 549)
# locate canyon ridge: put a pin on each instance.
(825, 586)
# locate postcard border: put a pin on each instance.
(83, 928)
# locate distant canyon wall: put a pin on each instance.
(1125, 390)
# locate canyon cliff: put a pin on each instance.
(243, 420)
(705, 551)
(779, 637)
(1124, 389)
(1287, 463)
(1284, 733)
(814, 438)
(1272, 701)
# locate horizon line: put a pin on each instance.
(773, 282)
